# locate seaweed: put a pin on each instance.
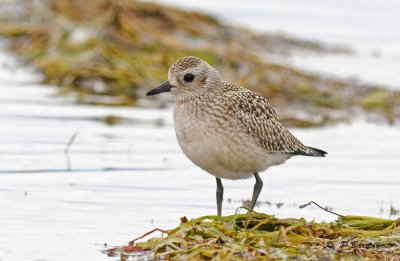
(258, 236)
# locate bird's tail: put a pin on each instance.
(317, 152)
(313, 152)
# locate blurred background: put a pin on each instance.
(86, 159)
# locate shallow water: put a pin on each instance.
(128, 178)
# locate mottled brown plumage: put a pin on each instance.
(261, 121)
(227, 130)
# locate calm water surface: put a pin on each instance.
(128, 178)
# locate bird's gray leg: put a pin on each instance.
(220, 195)
(256, 191)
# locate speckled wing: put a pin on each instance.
(261, 121)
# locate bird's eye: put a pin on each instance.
(188, 77)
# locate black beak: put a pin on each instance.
(164, 87)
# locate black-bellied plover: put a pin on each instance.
(227, 130)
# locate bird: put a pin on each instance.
(227, 130)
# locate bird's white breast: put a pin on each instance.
(218, 144)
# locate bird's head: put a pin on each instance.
(189, 76)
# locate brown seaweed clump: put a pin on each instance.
(111, 51)
(257, 236)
